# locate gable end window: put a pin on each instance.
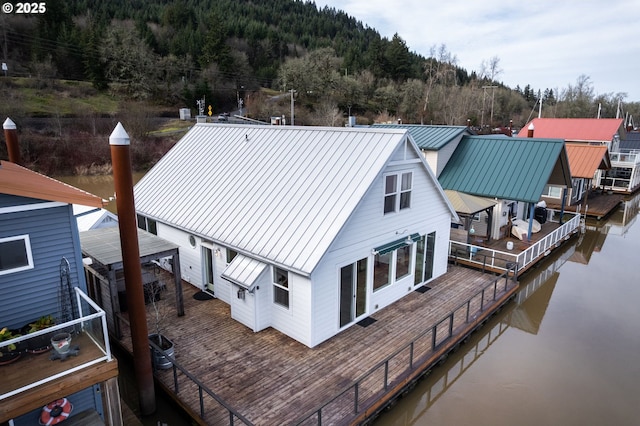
(281, 287)
(397, 192)
(15, 254)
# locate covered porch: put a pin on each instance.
(105, 277)
(496, 255)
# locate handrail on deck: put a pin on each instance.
(106, 350)
(495, 259)
(436, 341)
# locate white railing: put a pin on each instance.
(86, 327)
(489, 258)
(628, 158)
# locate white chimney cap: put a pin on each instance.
(9, 124)
(530, 127)
(119, 136)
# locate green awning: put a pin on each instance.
(394, 245)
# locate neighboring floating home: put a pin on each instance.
(437, 143)
(306, 230)
(585, 161)
(512, 171)
(93, 218)
(41, 275)
(624, 176)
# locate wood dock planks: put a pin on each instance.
(272, 379)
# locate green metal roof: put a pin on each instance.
(389, 247)
(430, 138)
(506, 168)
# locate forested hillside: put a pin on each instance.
(174, 52)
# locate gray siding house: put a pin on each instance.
(39, 250)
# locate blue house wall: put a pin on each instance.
(27, 295)
(86, 399)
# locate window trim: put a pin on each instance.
(277, 285)
(392, 277)
(398, 193)
(28, 252)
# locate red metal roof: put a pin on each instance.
(584, 159)
(16, 180)
(575, 129)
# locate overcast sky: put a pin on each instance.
(543, 43)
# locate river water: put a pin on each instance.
(564, 352)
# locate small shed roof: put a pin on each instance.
(20, 181)
(506, 168)
(585, 160)
(429, 137)
(244, 271)
(468, 204)
(575, 129)
(280, 194)
(103, 245)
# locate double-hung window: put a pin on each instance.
(397, 191)
(281, 287)
(15, 254)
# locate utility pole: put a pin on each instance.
(292, 103)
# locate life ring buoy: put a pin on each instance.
(55, 412)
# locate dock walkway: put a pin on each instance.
(271, 379)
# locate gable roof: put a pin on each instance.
(632, 142)
(585, 160)
(507, 168)
(279, 194)
(575, 129)
(19, 181)
(430, 138)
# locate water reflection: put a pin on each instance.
(563, 352)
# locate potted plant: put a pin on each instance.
(9, 353)
(159, 312)
(40, 343)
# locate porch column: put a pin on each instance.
(564, 201)
(532, 212)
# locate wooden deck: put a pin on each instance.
(31, 368)
(599, 204)
(271, 379)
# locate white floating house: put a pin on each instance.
(307, 230)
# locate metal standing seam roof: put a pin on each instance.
(505, 168)
(429, 137)
(276, 193)
(575, 129)
(244, 271)
(585, 160)
(20, 181)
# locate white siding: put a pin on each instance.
(295, 322)
(190, 257)
(368, 228)
(243, 310)
(445, 154)
(263, 301)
